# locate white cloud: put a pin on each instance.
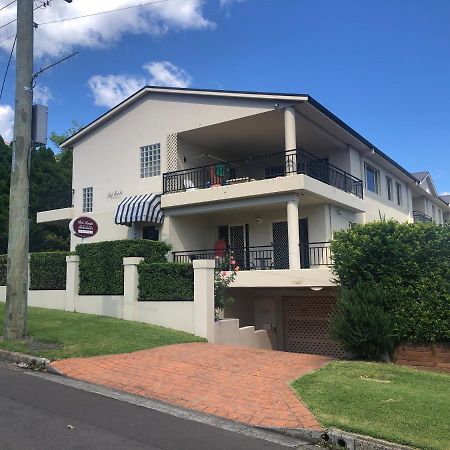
(106, 29)
(164, 73)
(6, 122)
(42, 95)
(225, 3)
(445, 193)
(109, 90)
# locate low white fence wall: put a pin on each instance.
(196, 317)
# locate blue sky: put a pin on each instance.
(381, 66)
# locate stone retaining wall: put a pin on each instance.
(435, 357)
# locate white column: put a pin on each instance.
(290, 140)
(293, 234)
(72, 281)
(204, 322)
(130, 286)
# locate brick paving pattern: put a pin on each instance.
(242, 384)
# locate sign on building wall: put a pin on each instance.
(83, 227)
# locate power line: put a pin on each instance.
(9, 4)
(7, 39)
(15, 20)
(7, 67)
(103, 12)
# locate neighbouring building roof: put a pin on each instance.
(445, 198)
(421, 175)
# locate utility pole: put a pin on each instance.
(18, 234)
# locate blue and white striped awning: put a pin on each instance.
(139, 208)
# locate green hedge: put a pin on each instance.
(410, 263)
(48, 270)
(101, 263)
(3, 267)
(167, 281)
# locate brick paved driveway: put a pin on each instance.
(243, 384)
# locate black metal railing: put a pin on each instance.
(260, 168)
(421, 217)
(62, 201)
(246, 258)
(315, 254)
(263, 257)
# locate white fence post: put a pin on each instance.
(204, 323)
(130, 286)
(72, 281)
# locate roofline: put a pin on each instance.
(186, 91)
(237, 94)
(358, 136)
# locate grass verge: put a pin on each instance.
(385, 401)
(60, 334)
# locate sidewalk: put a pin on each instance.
(242, 384)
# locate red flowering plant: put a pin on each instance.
(224, 274)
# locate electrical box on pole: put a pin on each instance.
(39, 124)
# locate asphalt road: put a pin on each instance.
(36, 413)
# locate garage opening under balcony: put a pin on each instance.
(263, 146)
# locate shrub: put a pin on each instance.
(410, 264)
(165, 281)
(48, 270)
(360, 324)
(3, 268)
(101, 263)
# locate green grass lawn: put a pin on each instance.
(386, 401)
(87, 335)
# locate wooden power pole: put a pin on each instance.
(18, 234)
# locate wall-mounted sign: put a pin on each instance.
(114, 194)
(83, 227)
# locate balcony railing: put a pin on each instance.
(260, 168)
(263, 257)
(63, 201)
(421, 217)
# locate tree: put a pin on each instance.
(50, 188)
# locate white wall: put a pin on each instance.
(108, 159)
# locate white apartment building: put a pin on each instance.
(266, 176)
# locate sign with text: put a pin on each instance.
(83, 227)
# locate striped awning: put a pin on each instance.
(139, 208)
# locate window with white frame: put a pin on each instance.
(389, 188)
(433, 213)
(150, 160)
(372, 179)
(88, 199)
(398, 188)
(440, 216)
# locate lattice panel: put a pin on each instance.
(306, 325)
(172, 152)
(280, 245)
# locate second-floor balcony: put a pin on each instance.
(262, 167)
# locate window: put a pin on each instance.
(150, 160)
(433, 213)
(440, 216)
(151, 233)
(88, 199)
(389, 188)
(372, 179)
(398, 187)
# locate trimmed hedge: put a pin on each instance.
(3, 268)
(48, 271)
(101, 263)
(167, 281)
(410, 263)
